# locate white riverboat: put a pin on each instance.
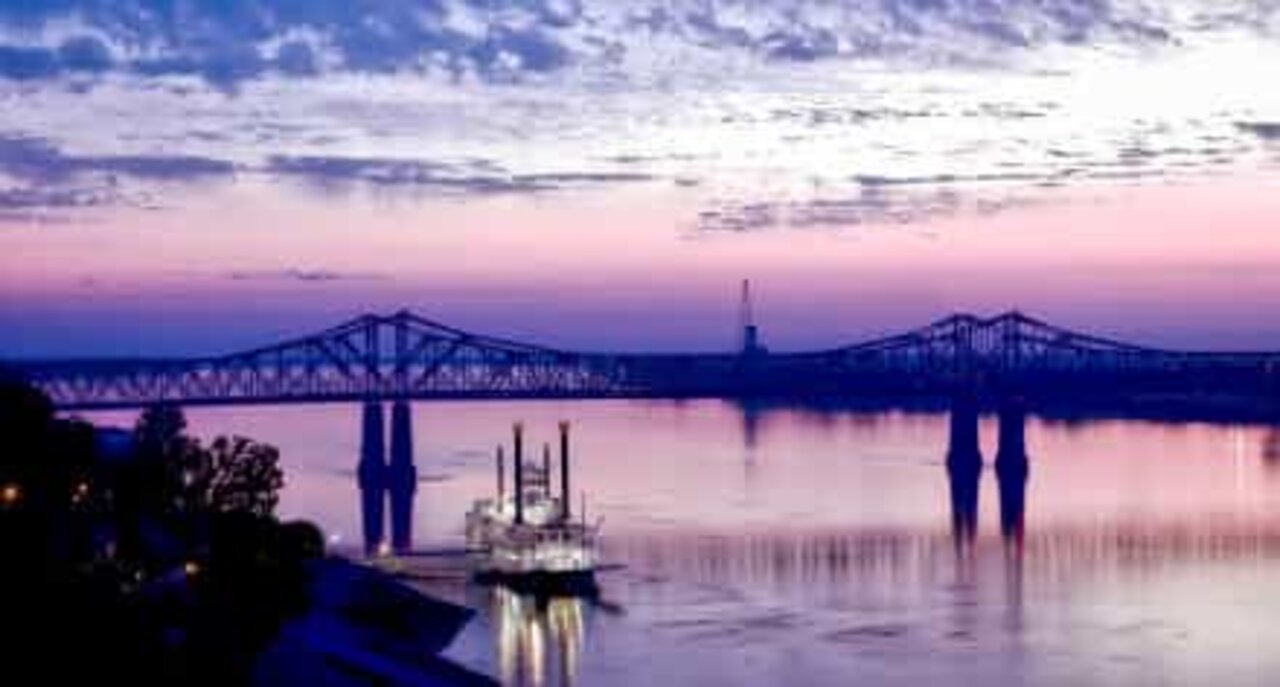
(529, 537)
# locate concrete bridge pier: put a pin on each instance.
(402, 477)
(962, 441)
(371, 475)
(1012, 444)
(1012, 468)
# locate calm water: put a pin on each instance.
(793, 547)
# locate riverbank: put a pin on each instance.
(366, 627)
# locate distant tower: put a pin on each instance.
(750, 333)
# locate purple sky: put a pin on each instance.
(180, 179)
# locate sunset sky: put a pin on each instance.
(182, 178)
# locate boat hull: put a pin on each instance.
(542, 582)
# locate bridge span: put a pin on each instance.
(1010, 362)
(403, 356)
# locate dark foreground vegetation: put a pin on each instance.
(147, 557)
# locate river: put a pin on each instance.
(791, 546)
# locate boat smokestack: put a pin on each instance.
(564, 469)
(502, 477)
(518, 430)
(546, 469)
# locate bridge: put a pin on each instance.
(1010, 362)
(404, 357)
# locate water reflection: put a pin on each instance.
(753, 412)
(1139, 551)
(1012, 480)
(965, 480)
(539, 640)
(1012, 471)
(1271, 448)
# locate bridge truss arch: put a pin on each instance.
(404, 356)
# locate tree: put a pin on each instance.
(176, 505)
(161, 430)
(153, 484)
(234, 474)
(26, 425)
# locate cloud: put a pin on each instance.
(32, 199)
(740, 217)
(45, 176)
(224, 69)
(1267, 131)
(85, 54)
(78, 55)
(296, 58)
(226, 43)
(382, 171)
(37, 160)
(743, 103)
(470, 177)
(43, 205)
(295, 274)
(507, 50)
(42, 177)
(872, 206)
(21, 63)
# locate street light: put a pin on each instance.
(11, 494)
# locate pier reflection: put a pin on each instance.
(1271, 448)
(965, 480)
(885, 560)
(844, 544)
(1012, 480)
(1012, 470)
(540, 640)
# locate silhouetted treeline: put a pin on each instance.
(142, 558)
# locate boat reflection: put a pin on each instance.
(539, 640)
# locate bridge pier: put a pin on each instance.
(962, 441)
(402, 477)
(1012, 444)
(371, 475)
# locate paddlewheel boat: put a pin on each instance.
(529, 538)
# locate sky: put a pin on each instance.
(193, 177)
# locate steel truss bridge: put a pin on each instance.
(403, 356)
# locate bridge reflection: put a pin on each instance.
(387, 475)
(964, 471)
(868, 567)
(888, 559)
